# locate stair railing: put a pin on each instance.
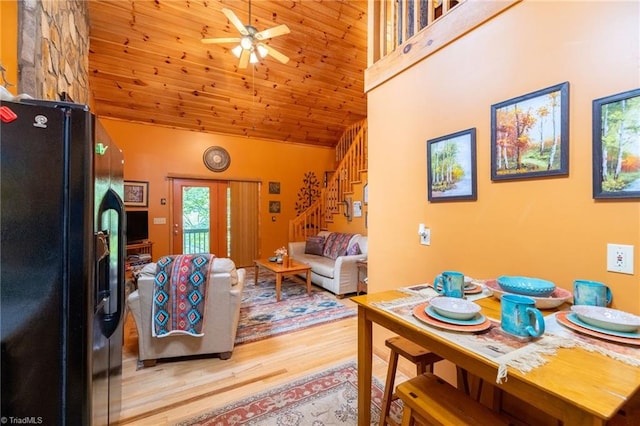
(340, 184)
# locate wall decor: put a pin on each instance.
(530, 135)
(357, 209)
(348, 208)
(274, 187)
(136, 193)
(309, 192)
(451, 167)
(616, 146)
(365, 193)
(216, 158)
(274, 206)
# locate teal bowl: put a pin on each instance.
(526, 286)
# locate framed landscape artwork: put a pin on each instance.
(136, 193)
(616, 146)
(451, 167)
(530, 135)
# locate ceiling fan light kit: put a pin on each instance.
(251, 46)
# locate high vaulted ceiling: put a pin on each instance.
(147, 64)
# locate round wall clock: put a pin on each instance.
(216, 159)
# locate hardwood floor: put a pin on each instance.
(178, 390)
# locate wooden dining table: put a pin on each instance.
(576, 386)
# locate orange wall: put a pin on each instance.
(9, 42)
(152, 153)
(547, 228)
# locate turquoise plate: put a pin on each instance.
(478, 319)
(574, 319)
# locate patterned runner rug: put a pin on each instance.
(262, 317)
(326, 398)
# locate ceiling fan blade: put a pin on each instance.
(235, 21)
(244, 58)
(221, 40)
(273, 52)
(272, 32)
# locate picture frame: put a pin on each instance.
(136, 193)
(451, 167)
(274, 206)
(530, 135)
(616, 146)
(274, 187)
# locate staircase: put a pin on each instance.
(351, 155)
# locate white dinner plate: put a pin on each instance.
(576, 320)
(477, 319)
(607, 318)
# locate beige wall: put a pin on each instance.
(547, 228)
(152, 153)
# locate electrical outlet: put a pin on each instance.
(620, 258)
(425, 237)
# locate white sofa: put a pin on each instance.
(339, 276)
(222, 314)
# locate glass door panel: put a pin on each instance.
(199, 213)
(196, 201)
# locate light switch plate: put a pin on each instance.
(425, 238)
(620, 258)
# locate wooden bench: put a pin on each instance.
(432, 401)
(421, 357)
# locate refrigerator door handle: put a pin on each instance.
(112, 201)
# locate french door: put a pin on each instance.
(218, 217)
(200, 211)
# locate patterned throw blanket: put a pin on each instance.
(179, 295)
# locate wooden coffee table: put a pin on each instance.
(280, 270)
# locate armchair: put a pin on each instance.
(222, 314)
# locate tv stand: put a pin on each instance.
(138, 255)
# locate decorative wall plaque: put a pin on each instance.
(216, 159)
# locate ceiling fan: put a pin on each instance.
(251, 44)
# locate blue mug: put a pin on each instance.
(592, 293)
(450, 284)
(520, 317)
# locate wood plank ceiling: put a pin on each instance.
(147, 64)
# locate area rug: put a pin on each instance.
(261, 316)
(326, 398)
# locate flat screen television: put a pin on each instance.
(137, 226)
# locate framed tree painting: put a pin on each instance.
(616, 146)
(451, 167)
(530, 135)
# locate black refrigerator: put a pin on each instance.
(62, 247)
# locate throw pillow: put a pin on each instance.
(314, 245)
(353, 250)
(336, 245)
